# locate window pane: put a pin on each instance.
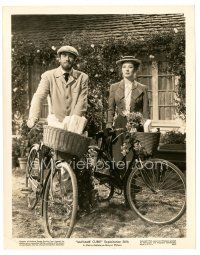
(161, 113)
(161, 98)
(168, 115)
(165, 83)
(166, 105)
(169, 98)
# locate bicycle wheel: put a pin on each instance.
(60, 202)
(33, 177)
(160, 197)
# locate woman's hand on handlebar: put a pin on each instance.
(108, 131)
(111, 131)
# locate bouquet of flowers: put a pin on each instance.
(135, 120)
(134, 124)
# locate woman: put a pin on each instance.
(126, 96)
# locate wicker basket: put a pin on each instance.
(64, 141)
(149, 141)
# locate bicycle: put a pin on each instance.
(54, 182)
(144, 188)
(155, 189)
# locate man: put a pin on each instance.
(66, 88)
(67, 91)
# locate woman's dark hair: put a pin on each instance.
(136, 67)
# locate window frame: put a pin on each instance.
(155, 104)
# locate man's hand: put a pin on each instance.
(31, 122)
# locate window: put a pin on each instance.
(161, 91)
(166, 93)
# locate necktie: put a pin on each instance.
(66, 76)
(67, 95)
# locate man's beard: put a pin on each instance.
(67, 66)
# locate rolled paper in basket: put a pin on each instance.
(54, 122)
(147, 125)
(77, 124)
(66, 122)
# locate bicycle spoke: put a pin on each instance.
(60, 204)
(173, 185)
(33, 173)
(166, 178)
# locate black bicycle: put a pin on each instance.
(155, 189)
(54, 182)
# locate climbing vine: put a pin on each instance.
(98, 60)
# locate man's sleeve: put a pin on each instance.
(39, 96)
(81, 106)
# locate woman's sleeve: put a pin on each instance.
(111, 107)
(146, 109)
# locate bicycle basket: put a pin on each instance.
(149, 141)
(65, 141)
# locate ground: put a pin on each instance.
(107, 221)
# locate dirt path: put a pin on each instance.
(109, 220)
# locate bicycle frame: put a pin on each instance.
(105, 152)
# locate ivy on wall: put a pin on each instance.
(98, 60)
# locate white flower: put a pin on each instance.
(53, 48)
(92, 45)
(96, 75)
(98, 57)
(15, 89)
(111, 70)
(151, 56)
(175, 30)
(100, 103)
(13, 50)
(38, 51)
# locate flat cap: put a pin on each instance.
(128, 59)
(69, 49)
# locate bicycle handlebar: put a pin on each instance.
(109, 132)
(119, 129)
(35, 127)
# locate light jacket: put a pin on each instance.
(66, 98)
